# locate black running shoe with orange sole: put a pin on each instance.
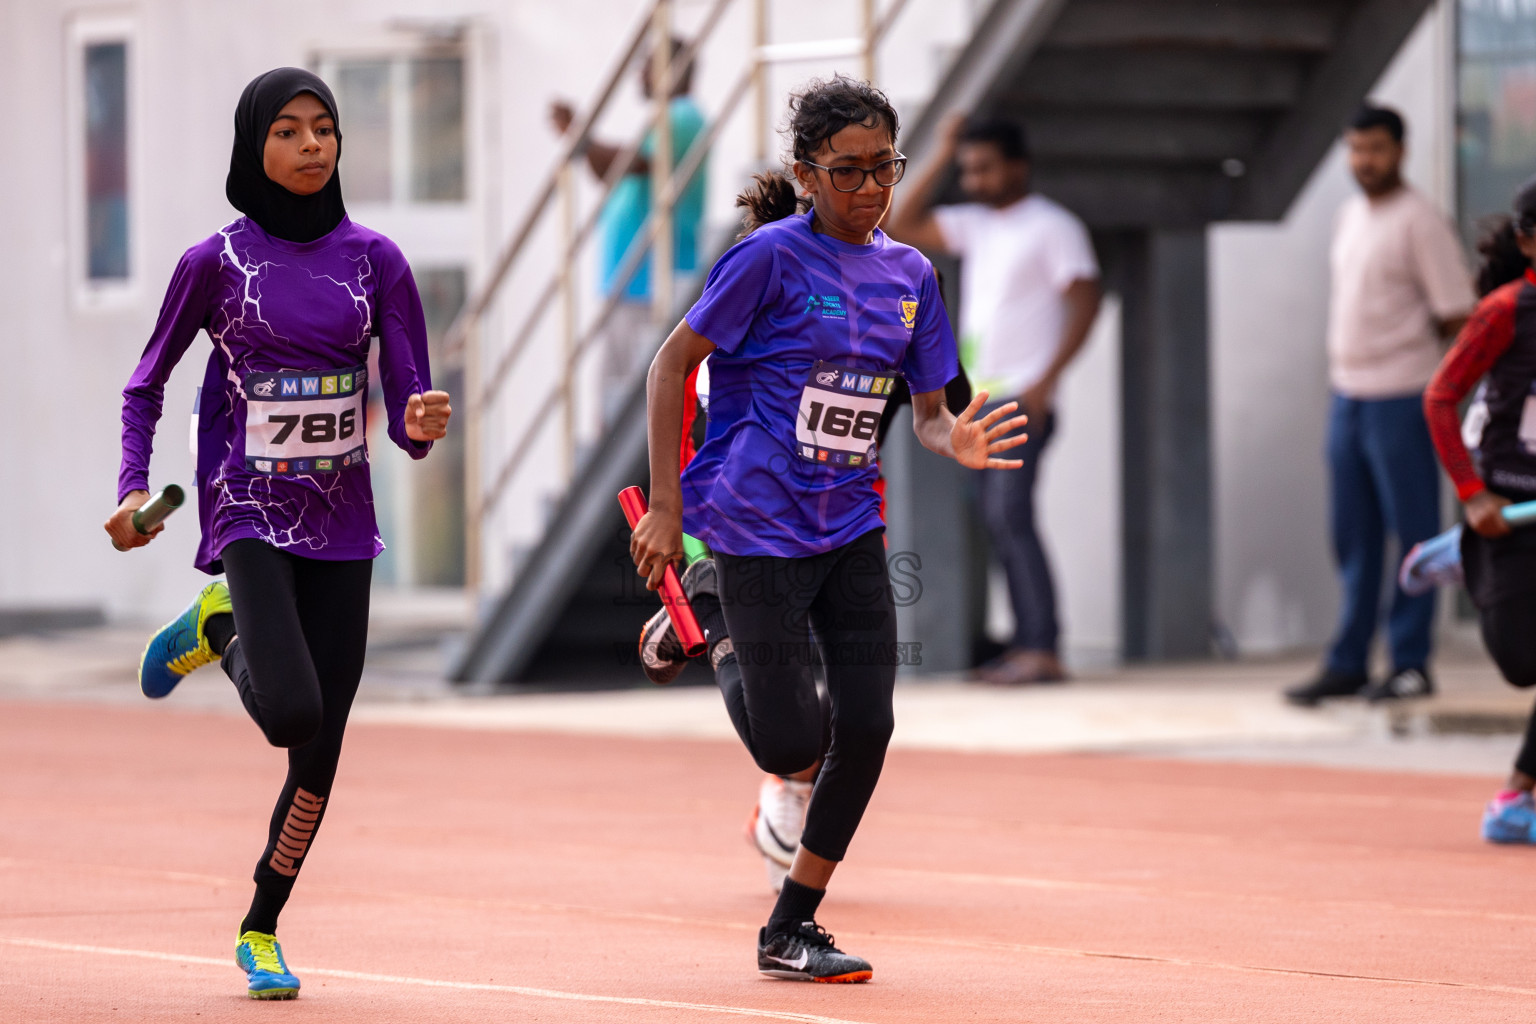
(807, 954)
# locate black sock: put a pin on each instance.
(706, 608)
(262, 917)
(797, 903)
(220, 630)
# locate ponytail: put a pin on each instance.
(770, 197)
(1499, 247)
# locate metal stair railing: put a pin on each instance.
(462, 336)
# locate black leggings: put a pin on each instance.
(301, 629)
(1509, 631)
(772, 605)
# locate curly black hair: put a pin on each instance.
(819, 111)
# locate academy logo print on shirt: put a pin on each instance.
(830, 307)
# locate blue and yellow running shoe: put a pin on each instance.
(260, 956)
(181, 645)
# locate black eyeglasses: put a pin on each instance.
(851, 179)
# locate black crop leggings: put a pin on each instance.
(1509, 632)
(301, 628)
(772, 606)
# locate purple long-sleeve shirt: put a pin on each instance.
(280, 451)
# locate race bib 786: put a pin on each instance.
(305, 422)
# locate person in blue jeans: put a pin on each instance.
(1028, 299)
(1384, 478)
(1401, 287)
(1007, 503)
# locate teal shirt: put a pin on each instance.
(630, 201)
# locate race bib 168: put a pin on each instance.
(840, 414)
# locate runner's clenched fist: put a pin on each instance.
(426, 416)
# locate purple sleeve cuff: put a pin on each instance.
(126, 487)
(415, 449)
(403, 364)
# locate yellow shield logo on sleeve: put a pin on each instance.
(908, 313)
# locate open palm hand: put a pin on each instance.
(975, 442)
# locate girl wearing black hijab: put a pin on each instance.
(291, 295)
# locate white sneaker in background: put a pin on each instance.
(777, 823)
(779, 818)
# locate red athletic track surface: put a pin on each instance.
(476, 876)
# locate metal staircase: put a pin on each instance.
(1176, 113)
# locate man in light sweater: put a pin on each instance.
(1401, 288)
(1029, 293)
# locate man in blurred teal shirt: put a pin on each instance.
(626, 337)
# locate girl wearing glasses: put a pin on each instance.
(808, 321)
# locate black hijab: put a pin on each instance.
(279, 212)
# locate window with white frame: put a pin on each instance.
(106, 160)
(402, 123)
(100, 110)
(405, 171)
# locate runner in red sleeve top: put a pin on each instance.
(1498, 346)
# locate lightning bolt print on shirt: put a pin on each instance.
(281, 421)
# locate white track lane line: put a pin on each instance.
(467, 986)
(922, 940)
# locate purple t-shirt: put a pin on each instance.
(809, 332)
(281, 415)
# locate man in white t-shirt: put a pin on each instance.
(1029, 292)
(1401, 288)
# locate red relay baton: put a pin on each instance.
(632, 501)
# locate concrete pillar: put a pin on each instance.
(1162, 278)
(938, 572)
